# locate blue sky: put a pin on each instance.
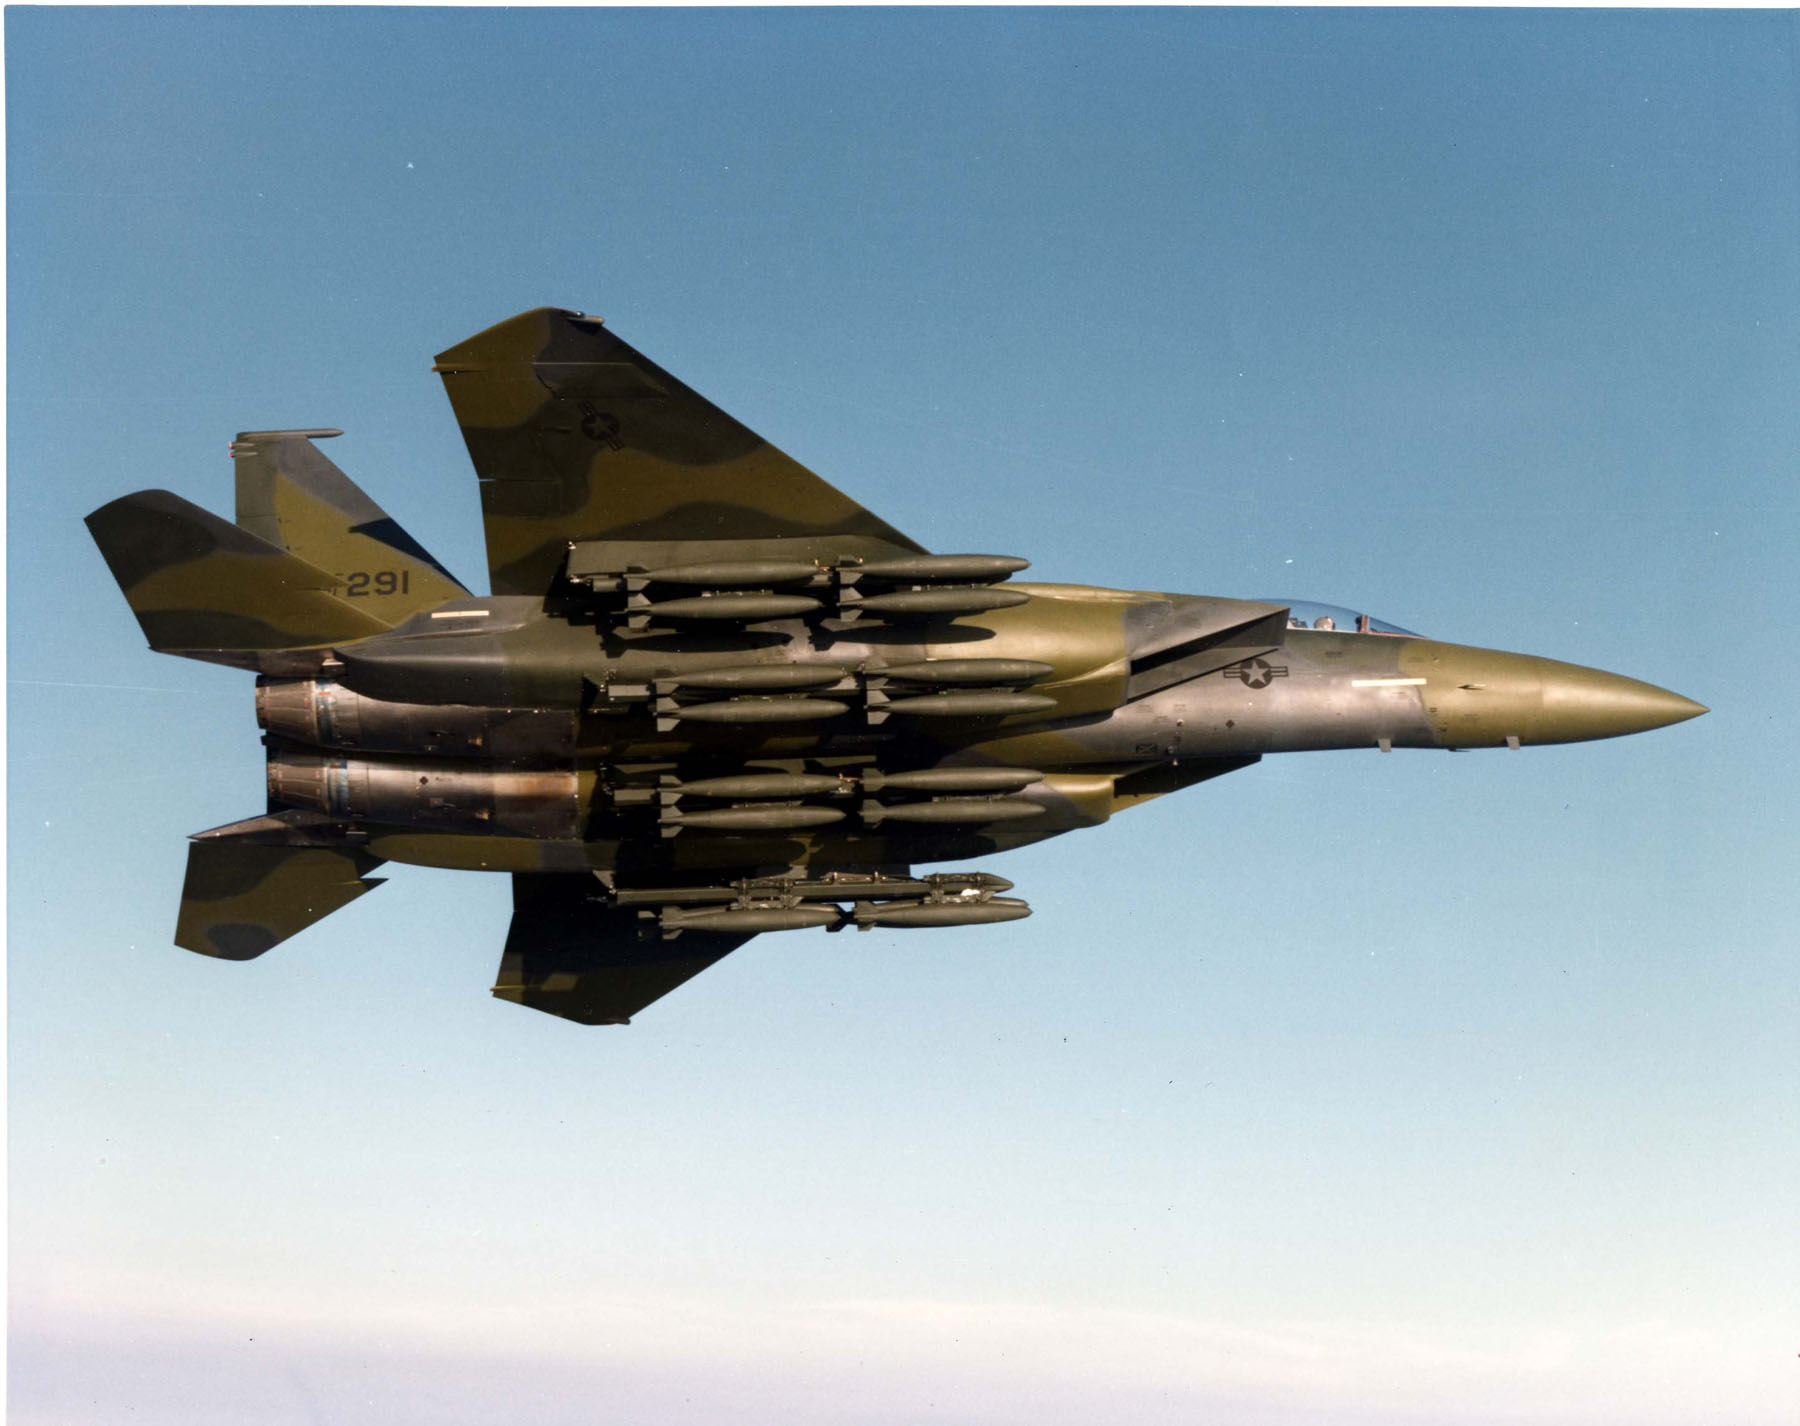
(1348, 1088)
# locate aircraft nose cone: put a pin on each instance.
(1482, 698)
(1582, 703)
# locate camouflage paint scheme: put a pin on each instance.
(291, 495)
(575, 435)
(710, 695)
(205, 589)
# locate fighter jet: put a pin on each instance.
(710, 696)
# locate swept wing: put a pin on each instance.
(578, 437)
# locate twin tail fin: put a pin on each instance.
(290, 494)
(311, 562)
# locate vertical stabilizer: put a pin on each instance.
(291, 495)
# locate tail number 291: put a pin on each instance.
(381, 581)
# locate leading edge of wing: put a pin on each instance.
(577, 436)
(569, 954)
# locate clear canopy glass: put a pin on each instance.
(1304, 614)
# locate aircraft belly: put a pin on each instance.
(1060, 802)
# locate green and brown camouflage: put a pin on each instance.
(291, 495)
(711, 696)
(578, 438)
(572, 953)
(206, 589)
(253, 884)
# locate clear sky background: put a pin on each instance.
(1346, 1089)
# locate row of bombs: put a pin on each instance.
(554, 803)
(770, 801)
(807, 693)
(323, 712)
(749, 908)
(754, 591)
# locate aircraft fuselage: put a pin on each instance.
(555, 742)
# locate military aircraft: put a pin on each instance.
(711, 696)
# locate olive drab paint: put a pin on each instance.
(711, 696)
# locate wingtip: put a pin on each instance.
(518, 336)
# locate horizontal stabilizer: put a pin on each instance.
(571, 955)
(290, 494)
(204, 588)
(245, 893)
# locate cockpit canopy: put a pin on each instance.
(1302, 614)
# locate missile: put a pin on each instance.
(978, 880)
(977, 671)
(833, 886)
(969, 705)
(853, 886)
(751, 786)
(761, 710)
(953, 811)
(952, 779)
(758, 678)
(939, 601)
(749, 920)
(921, 914)
(781, 818)
(738, 608)
(725, 573)
(946, 569)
